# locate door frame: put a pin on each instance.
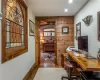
(39, 42)
(55, 43)
(37, 53)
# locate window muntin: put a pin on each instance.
(14, 29)
(14, 25)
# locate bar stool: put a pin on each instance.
(69, 67)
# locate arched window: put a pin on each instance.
(14, 28)
(48, 32)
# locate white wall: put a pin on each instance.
(91, 8)
(18, 67)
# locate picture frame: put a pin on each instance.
(65, 30)
(78, 30)
(31, 28)
(98, 17)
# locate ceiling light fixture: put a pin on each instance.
(70, 1)
(66, 10)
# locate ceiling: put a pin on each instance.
(55, 7)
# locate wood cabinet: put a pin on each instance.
(48, 47)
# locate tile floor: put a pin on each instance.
(50, 74)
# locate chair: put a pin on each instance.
(70, 67)
(90, 75)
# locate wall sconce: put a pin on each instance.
(41, 38)
(41, 41)
(88, 20)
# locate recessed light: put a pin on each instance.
(66, 10)
(70, 1)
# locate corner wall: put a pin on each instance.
(17, 68)
(91, 8)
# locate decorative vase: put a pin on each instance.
(98, 56)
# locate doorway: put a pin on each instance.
(47, 45)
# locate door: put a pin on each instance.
(37, 46)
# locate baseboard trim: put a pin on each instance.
(29, 72)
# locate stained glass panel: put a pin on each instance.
(7, 45)
(14, 25)
(14, 12)
(8, 37)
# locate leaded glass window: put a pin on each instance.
(14, 29)
(14, 25)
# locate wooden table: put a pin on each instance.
(63, 59)
(85, 64)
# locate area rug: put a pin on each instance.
(50, 74)
(47, 56)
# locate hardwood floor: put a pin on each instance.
(47, 60)
(31, 77)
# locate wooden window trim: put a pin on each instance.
(14, 52)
